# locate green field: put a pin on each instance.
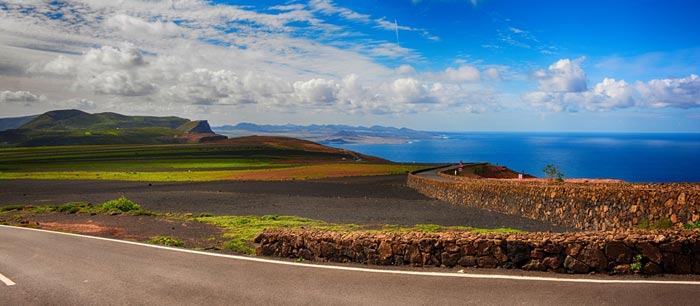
(189, 162)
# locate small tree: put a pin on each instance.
(553, 172)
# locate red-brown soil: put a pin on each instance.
(129, 227)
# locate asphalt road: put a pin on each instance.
(58, 269)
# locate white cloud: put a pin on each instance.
(492, 74)
(462, 74)
(329, 8)
(61, 65)
(118, 82)
(563, 89)
(135, 56)
(565, 75)
(318, 92)
(21, 96)
(124, 57)
(77, 103)
(405, 70)
(681, 93)
(139, 27)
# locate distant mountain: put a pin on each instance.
(75, 127)
(328, 134)
(16, 122)
(75, 119)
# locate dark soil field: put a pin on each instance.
(359, 200)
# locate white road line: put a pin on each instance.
(367, 270)
(6, 280)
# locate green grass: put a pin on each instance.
(181, 162)
(661, 224)
(147, 164)
(695, 225)
(271, 173)
(116, 206)
(167, 241)
(241, 230)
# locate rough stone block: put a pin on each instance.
(618, 252)
(467, 261)
(486, 262)
(518, 252)
(574, 265)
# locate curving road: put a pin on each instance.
(61, 269)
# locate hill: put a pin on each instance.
(75, 127)
(15, 122)
(328, 134)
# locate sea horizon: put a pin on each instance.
(659, 157)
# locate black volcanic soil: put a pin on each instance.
(360, 200)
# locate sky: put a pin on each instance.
(436, 65)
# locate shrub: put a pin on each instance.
(167, 241)
(120, 205)
(553, 172)
(636, 265)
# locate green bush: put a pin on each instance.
(167, 241)
(120, 205)
(637, 263)
(553, 172)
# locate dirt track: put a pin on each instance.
(361, 200)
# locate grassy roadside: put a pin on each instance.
(238, 231)
(241, 230)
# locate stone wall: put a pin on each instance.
(586, 206)
(670, 251)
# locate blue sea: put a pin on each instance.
(629, 157)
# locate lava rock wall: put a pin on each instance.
(586, 206)
(649, 252)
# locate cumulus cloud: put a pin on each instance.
(21, 96)
(681, 93)
(164, 55)
(565, 75)
(61, 66)
(564, 90)
(462, 74)
(127, 56)
(316, 92)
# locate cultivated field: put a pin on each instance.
(237, 159)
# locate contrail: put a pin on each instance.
(396, 26)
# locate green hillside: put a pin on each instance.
(75, 119)
(75, 127)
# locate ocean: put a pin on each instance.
(629, 157)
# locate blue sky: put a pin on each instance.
(456, 65)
